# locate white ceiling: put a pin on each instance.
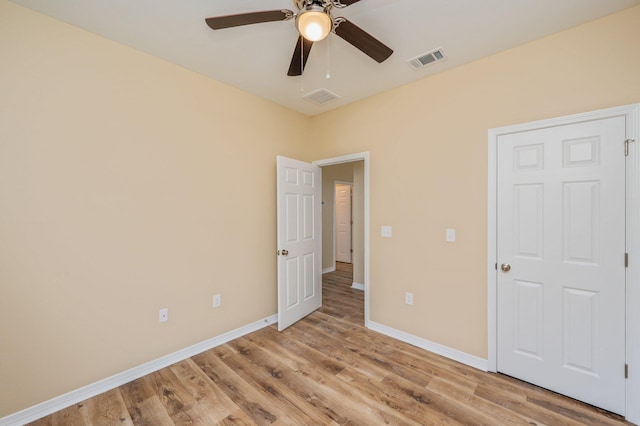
(256, 58)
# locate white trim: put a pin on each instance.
(436, 348)
(492, 254)
(329, 269)
(362, 156)
(63, 401)
(632, 116)
(633, 271)
(357, 286)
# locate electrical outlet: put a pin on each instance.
(450, 235)
(408, 298)
(217, 301)
(163, 315)
(386, 231)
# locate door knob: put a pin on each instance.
(285, 252)
(505, 267)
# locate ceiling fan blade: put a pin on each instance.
(344, 3)
(361, 39)
(228, 21)
(300, 56)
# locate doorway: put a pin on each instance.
(354, 170)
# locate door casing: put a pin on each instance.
(632, 118)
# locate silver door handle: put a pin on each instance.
(505, 267)
(285, 252)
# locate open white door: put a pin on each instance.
(299, 240)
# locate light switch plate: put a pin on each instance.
(451, 235)
(386, 232)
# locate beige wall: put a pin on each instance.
(428, 150)
(358, 222)
(127, 185)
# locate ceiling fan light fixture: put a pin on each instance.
(314, 23)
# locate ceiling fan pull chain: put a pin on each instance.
(328, 59)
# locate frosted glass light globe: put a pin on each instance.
(314, 25)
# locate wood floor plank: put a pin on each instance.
(295, 340)
(266, 372)
(410, 405)
(238, 418)
(143, 405)
(343, 347)
(574, 410)
(107, 409)
(72, 416)
(208, 397)
(258, 403)
(324, 373)
(170, 391)
(469, 399)
(327, 369)
(518, 405)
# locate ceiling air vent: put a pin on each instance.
(426, 59)
(321, 96)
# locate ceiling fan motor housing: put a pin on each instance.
(325, 4)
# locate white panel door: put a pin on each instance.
(561, 231)
(343, 223)
(299, 240)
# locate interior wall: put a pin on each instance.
(127, 185)
(428, 152)
(357, 211)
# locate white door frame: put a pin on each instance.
(632, 116)
(362, 156)
(335, 213)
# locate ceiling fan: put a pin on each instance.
(314, 22)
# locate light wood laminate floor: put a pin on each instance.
(326, 370)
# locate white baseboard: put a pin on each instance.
(445, 351)
(63, 401)
(357, 286)
(327, 270)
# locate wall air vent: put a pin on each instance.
(426, 59)
(321, 96)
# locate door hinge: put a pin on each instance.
(626, 146)
(626, 260)
(626, 371)
(351, 250)
(496, 266)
